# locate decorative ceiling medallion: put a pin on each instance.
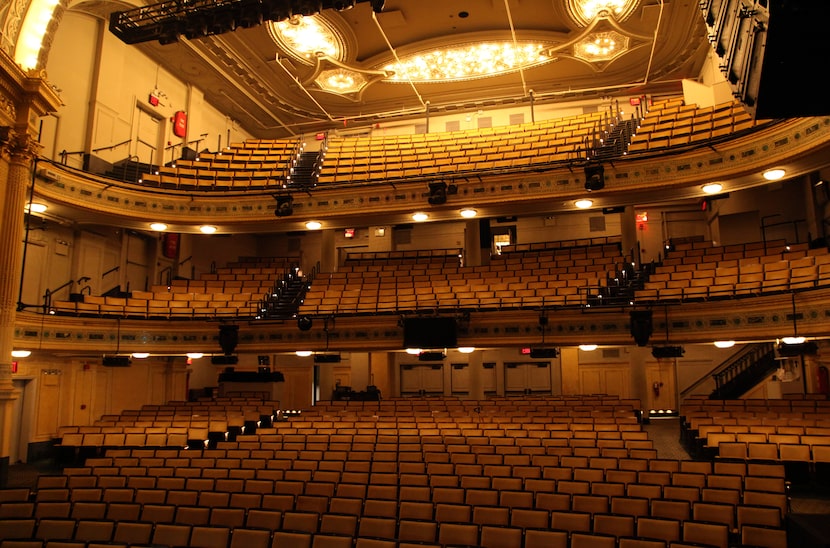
(306, 38)
(584, 12)
(601, 46)
(332, 76)
(601, 43)
(468, 61)
(340, 81)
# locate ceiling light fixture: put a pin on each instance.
(420, 216)
(207, 229)
(587, 347)
(601, 46)
(35, 208)
(584, 203)
(468, 213)
(774, 174)
(413, 351)
(195, 355)
(303, 353)
(314, 225)
(140, 355)
(34, 27)
(711, 188)
(724, 344)
(307, 38)
(466, 349)
(585, 11)
(793, 340)
(466, 62)
(21, 353)
(158, 227)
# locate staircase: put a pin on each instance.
(284, 302)
(615, 143)
(746, 371)
(304, 172)
(129, 170)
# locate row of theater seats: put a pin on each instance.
(679, 125)
(713, 272)
(261, 164)
(255, 164)
(574, 246)
(496, 485)
(349, 159)
(555, 277)
(237, 291)
(793, 431)
(424, 257)
(371, 532)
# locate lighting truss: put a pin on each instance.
(166, 21)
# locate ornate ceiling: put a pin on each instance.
(366, 68)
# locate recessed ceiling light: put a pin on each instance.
(158, 227)
(469, 213)
(584, 203)
(724, 344)
(314, 225)
(420, 216)
(712, 188)
(587, 347)
(140, 355)
(303, 353)
(21, 353)
(35, 207)
(207, 229)
(774, 174)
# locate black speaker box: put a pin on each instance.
(641, 326)
(224, 360)
(667, 351)
(543, 353)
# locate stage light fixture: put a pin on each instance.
(285, 205)
(437, 193)
(594, 177)
(304, 323)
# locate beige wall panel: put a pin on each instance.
(48, 415)
(298, 386)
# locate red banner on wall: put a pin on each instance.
(170, 245)
(180, 123)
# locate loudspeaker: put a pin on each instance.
(228, 338)
(115, 361)
(224, 360)
(537, 353)
(790, 85)
(304, 323)
(667, 351)
(594, 177)
(437, 193)
(641, 326)
(285, 206)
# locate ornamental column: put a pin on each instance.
(24, 98)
